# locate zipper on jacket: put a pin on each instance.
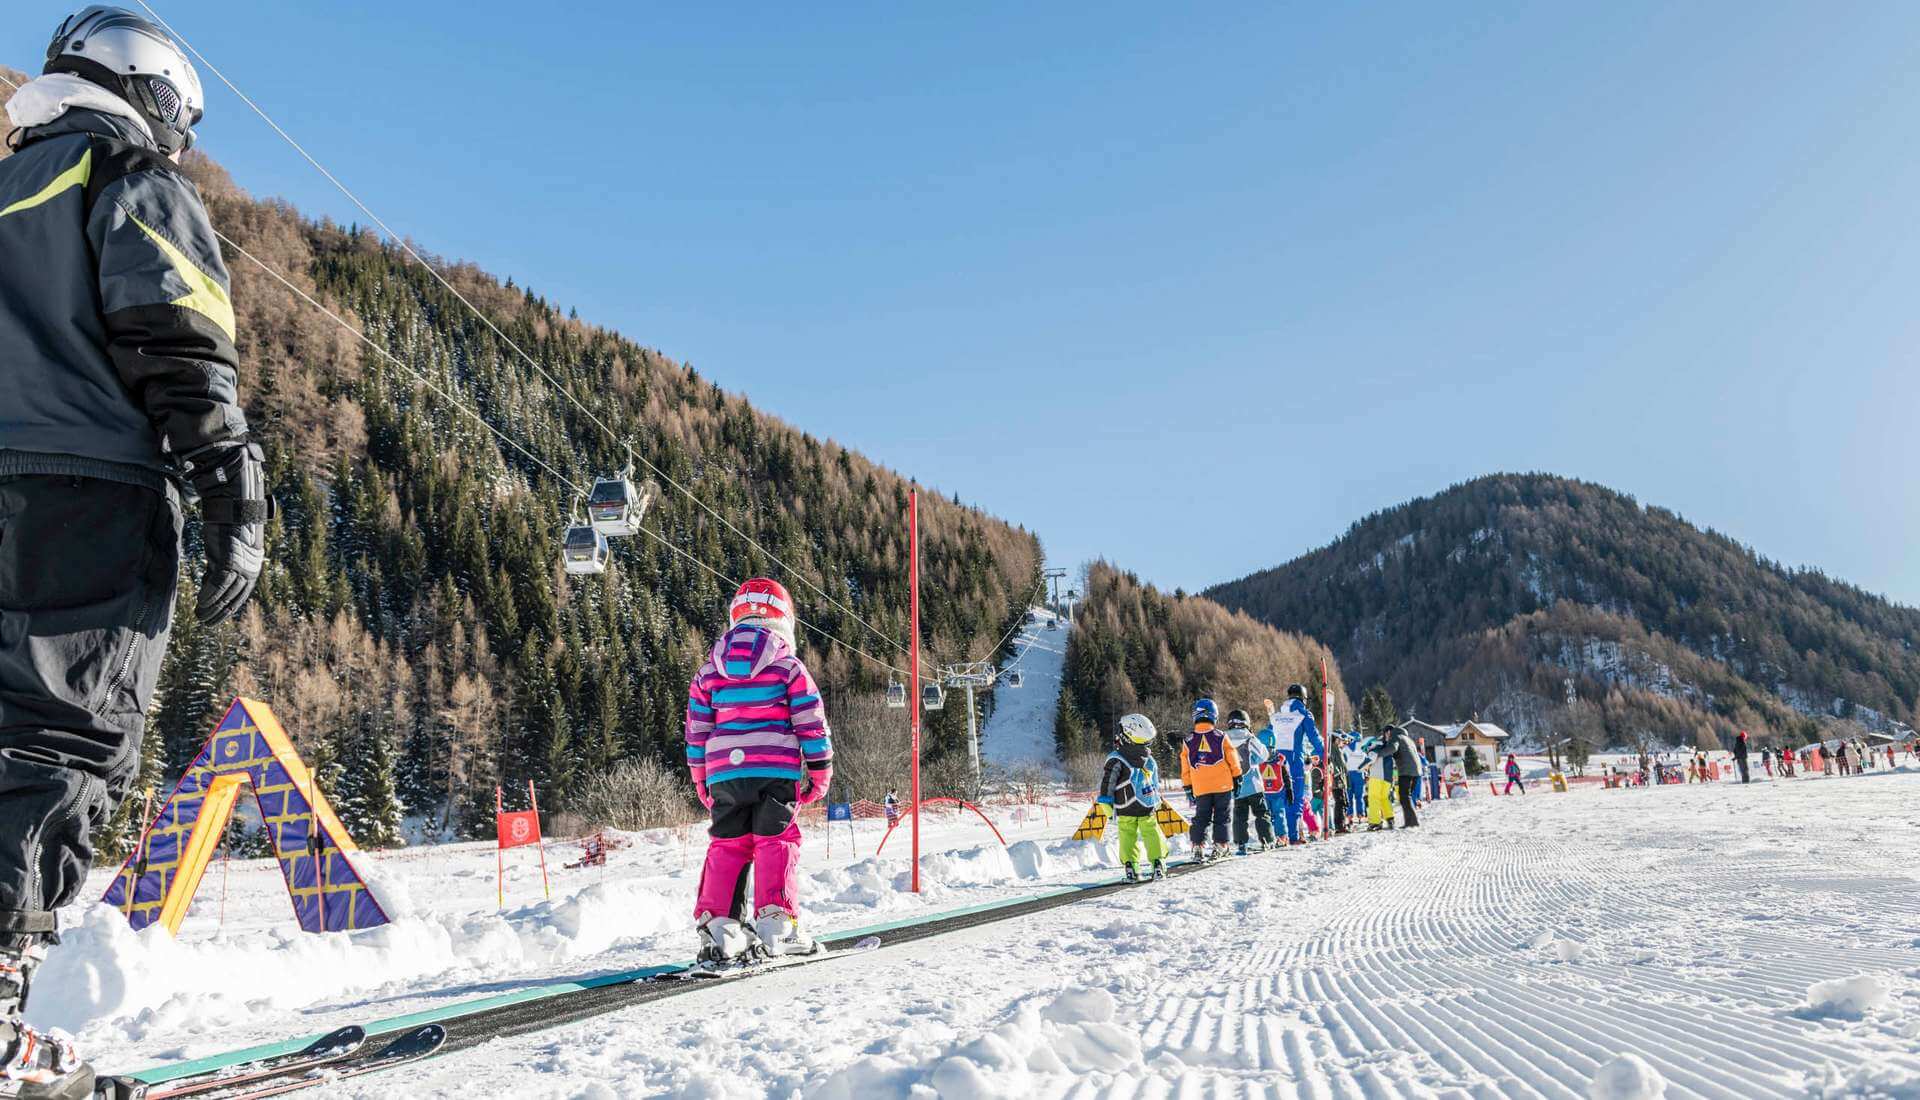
(60, 815)
(126, 663)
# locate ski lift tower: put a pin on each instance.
(1055, 576)
(971, 677)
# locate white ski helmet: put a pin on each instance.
(135, 60)
(1137, 728)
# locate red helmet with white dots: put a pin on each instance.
(764, 602)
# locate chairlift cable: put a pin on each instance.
(503, 436)
(488, 322)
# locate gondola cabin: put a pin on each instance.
(932, 697)
(584, 550)
(897, 695)
(1016, 678)
(616, 506)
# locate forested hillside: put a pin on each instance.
(414, 628)
(1135, 648)
(1493, 595)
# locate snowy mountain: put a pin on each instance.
(1500, 595)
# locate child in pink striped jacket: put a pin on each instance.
(759, 748)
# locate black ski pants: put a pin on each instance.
(1408, 818)
(88, 571)
(1254, 806)
(1210, 814)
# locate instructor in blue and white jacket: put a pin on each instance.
(1294, 732)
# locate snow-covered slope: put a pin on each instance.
(1020, 730)
(1713, 941)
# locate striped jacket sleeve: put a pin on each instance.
(699, 723)
(807, 717)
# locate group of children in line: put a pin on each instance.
(1255, 788)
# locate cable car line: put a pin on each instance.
(462, 406)
(487, 321)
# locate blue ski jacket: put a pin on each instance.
(1293, 730)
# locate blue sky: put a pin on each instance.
(1191, 287)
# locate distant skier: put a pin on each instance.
(1396, 744)
(117, 390)
(1766, 759)
(1274, 781)
(1249, 797)
(1336, 762)
(892, 807)
(1210, 770)
(1419, 773)
(1294, 732)
(1354, 759)
(759, 748)
(1130, 787)
(1513, 774)
(1379, 786)
(1740, 757)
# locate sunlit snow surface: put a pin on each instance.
(1719, 941)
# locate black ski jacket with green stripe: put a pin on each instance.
(116, 325)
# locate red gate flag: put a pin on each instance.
(519, 828)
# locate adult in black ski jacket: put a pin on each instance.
(1740, 757)
(1396, 746)
(117, 390)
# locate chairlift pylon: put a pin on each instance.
(616, 505)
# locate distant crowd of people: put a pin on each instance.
(1845, 756)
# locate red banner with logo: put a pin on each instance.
(518, 829)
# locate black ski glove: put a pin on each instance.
(234, 509)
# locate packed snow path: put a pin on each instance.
(1020, 730)
(1742, 942)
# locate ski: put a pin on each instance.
(331, 1047)
(706, 972)
(408, 1046)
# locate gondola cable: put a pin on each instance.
(488, 322)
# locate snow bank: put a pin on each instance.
(1051, 1044)
(1846, 998)
(1627, 1077)
(107, 976)
(1882, 1082)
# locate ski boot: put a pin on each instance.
(725, 942)
(1239, 849)
(40, 1065)
(1159, 869)
(1131, 874)
(780, 934)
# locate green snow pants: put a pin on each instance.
(1137, 830)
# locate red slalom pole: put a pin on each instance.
(539, 840)
(913, 587)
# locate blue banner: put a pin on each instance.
(839, 811)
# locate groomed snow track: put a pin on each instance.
(537, 1008)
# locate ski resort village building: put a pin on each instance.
(1449, 742)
